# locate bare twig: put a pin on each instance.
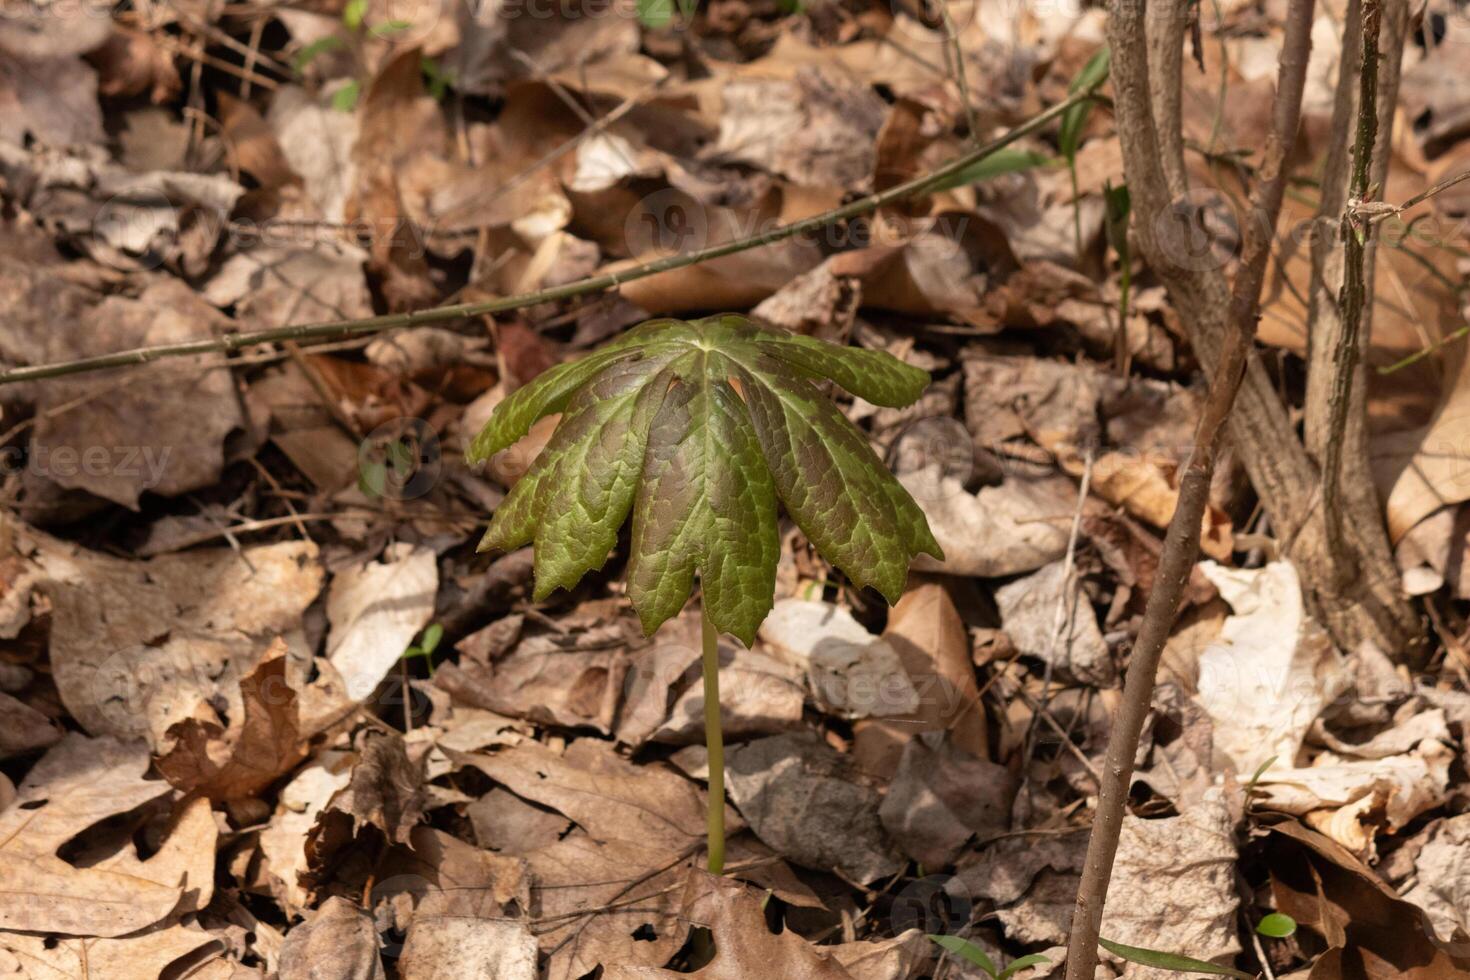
(1353, 296)
(582, 287)
(1181, 541)
(1389, 211)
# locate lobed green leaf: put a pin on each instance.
(695, 429)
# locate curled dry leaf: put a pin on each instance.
(263, 743)
(1351, 801)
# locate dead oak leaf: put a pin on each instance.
(261, 746)
(77, 784)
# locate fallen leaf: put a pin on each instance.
(1016, 527)
(1270, 673)
(572, 680)
(444, 948)
(1048, 616)
(810, 805)
(1351, 801)
(852, 672)
(263, 744)
(746, 947)
(375, 610)
(145, 955)
(337, 943)
(1368, 930)
(25, 730)
(183, 630)
(1442, 879)
(608, 888)
(283, 840)
(940, 797)
(385, 790)
(926, 631)
(133, 440)
(78, 783)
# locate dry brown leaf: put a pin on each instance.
(851, 672)
(375, 610)
(183, 629)
(1442, 879)
(941, 796)
(263, 743)
(745, 946)
(78, 783)
(142, 956)
(809, 804)
(443, 948)
(1016, 527)
(1048, 616)
(337, 943)
(283, 841)
(132, 62)
(572, 680)
(386, 789)
(138, 439)
(272, 286)
(1369, 931)
(619, 873)
(25, 729)
(926, 632)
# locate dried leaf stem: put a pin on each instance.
(1181, 541)
(582, 287)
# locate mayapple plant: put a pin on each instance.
(696, 428)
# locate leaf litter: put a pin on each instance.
(219, 762)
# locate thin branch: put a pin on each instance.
(1181, 541)
(1384, 212)
(582, 287)
(1353, 297)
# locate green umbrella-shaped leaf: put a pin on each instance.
(695, 429)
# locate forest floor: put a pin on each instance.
(264, 711)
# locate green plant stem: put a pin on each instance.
(582, 287)
(1076, 208)
(714, 741)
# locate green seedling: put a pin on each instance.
(971, 953)
(1069, 132)
(1277, 925)
(695, 429)
(425, 647)
(354, 22)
